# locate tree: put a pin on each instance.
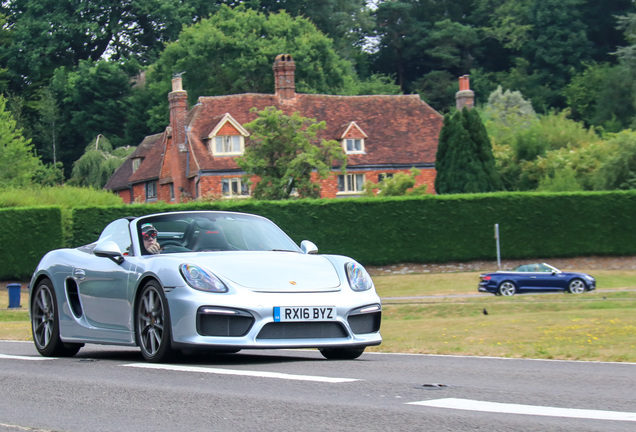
(98, 163)
(283, 151)
(48, 34)
(18, 162)
(417, 38)
(464, 161)
(233, 51)
(602, 96)
(93, 99)
(346, 22)
(618, 171)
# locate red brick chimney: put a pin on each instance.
(178, 99)
(285, 84)
(176, 153)
(465, 97)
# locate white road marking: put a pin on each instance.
(473, 405)
(258, 374)
(18, 357)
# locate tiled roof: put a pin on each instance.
(401, 129)
(148, 150)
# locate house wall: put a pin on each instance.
(210, 186)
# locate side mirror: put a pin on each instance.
(308, 247)
(109, 249)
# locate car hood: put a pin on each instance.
(272, 271)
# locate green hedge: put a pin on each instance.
(402, 229)
(433, 228)
(26, 234)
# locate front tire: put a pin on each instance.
(153, 324)
(341, 353)
(45, 323)
(577, 286)
(507, 288)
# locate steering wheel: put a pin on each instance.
(170, 243)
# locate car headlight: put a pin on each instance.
(359, 279)
(201, 280)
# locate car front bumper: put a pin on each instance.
(246, 320)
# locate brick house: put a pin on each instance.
(195, 155)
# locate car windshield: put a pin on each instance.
(536, 268)
(214, 231)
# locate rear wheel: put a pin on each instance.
(45, 323)
(507, 288)
(341, 353)
(153, 324)
(577, 286)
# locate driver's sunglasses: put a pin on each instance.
(149, 235)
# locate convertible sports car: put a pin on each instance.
(535, 278)
(220, 281)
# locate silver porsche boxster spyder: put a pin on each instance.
(212, 280)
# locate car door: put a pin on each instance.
(544, 279)
(106, 296)
(105, 289)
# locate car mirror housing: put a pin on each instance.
(308, 247)
(109, 249)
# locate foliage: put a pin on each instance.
(48, 34)
(618, 171)
(98, 163)
(18, 162)
(530, 149)
(93, 97)
(63, 196)
(247, 42)
(284, 151)
(603, 95)
(396, 185)
(464, 160)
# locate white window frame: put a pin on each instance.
(234, 187)
(227, 145)
(357, 149)
(135, 164)
(351, 183)
(227, 148)
(151, 190)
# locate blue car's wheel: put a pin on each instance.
(507, 288)
(45, 323)
(577, 286)
(153, 324)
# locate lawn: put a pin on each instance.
(442, 313)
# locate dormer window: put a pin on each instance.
(135, 164)
(354, 145)
(227, 138)
(353, 139)
(228, 145)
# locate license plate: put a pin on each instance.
(304, 313)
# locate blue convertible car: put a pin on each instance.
(535, 278)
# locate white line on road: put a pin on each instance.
(259, 374)
(473, 405)
(17, 357)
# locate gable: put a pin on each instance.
(353, 131)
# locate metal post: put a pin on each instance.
(498, 248)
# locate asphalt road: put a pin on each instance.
(112, 389)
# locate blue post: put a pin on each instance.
(14, 295)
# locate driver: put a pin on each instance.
(149, 235)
